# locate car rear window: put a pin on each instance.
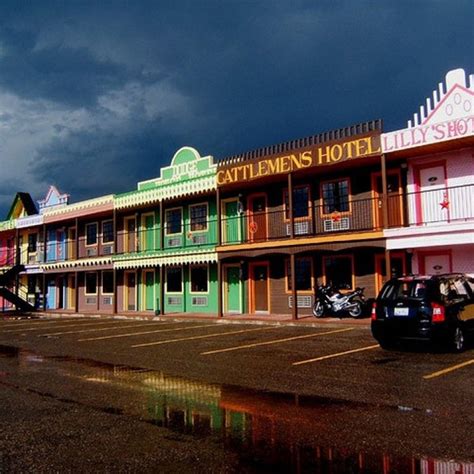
(402, 289)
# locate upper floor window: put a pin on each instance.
(198, 217)
(335, 196)
(174, 221)
(107, 232)
(32, 243)
(91, 234)
(301, 202)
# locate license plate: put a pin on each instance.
(401, 311)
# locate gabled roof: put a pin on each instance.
(22, 203)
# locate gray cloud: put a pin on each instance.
(97, 95)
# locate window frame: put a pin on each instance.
(102, 232)
(85, 284)
(206, 220)
(324, 276)
(102, 283)
(167, 233)
(182, 280)
(349, 197)
(199, 265)
(286, 210)
(287, 279)
(96, 224)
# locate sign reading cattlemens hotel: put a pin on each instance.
(321, 154)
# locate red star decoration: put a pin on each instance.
(336, 217)
(445, 203)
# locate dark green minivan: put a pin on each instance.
(437, 309)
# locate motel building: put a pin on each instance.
(436, 152)
(253, 234)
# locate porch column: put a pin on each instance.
(220, 312)
(294, 293)
(162, 288)
(17, 246)
(44, 291)
(76, 290)
(290, 205)
(44, 244)
(384, 192)
(219, 217)
(162, 231)
(76, 244)
(99, 287)
(114, 280)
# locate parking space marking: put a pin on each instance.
(338, 354)
(78, 331)
(60, 327)
(29, 323)
(205, 336)
(448, 369)
(275, 341)
(100, 338)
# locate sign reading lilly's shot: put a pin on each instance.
(321, 154)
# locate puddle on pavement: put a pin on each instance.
(269, 431)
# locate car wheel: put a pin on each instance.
(458, 341)
(387, 344)
(318, 310)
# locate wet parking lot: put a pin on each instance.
(204, 396)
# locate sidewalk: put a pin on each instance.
(275, 319)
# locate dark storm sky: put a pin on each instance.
(95, 96)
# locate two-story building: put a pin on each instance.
(436, 154)
(166, 260)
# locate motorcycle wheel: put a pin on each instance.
(356, 311)
(318, 310)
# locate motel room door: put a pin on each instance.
(257, 225)
(233, 289)
(51, 294)
(260, 285)
(435, 263)
(432, 201)
(231, 223)
(149, 290)
(394, 199)
(131, 293)
(397, 268)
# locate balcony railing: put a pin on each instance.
(435, 206)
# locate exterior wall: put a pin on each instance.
(7, 248)
(98, 303)
(460, 258)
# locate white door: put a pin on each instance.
(437, 264)
(433, 196)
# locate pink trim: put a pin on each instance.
(416, 175)
(427, 119)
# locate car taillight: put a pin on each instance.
(438, 314)
(373, 315)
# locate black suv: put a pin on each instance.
(438, 309)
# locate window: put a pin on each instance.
(32, 243)
(174, 280)
(300, 202)
(91, 234)
(173, 221)
(198, 216)
(31, 284)
(107, 283)
(338, 271)
(91, 283)
(199, 279)
(304, 273)
(335, 196)
(107, 232)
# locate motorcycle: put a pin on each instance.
(330, 300)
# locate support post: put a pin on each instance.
(290, 205)
(220, 312)
(162, 289)
(76, 290)
(384, 192)
(76, 244)
(388, 266)
(162, 229)
(294, 293)
(98, 288)
(114, 279)
(219, 217)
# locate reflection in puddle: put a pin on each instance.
(280, 432)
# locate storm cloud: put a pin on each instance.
(95, 96)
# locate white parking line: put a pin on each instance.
(78, 331)
(338, 354)
(59, 327)
(275, 341)
(143, 332)
(205, 336)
